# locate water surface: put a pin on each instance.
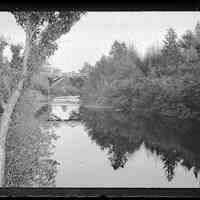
(113, 149)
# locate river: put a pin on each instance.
(113, 149)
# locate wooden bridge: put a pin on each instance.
(56, 80)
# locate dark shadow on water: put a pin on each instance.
(174, 141)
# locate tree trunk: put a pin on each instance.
(9, 108)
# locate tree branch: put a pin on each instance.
(36, 28)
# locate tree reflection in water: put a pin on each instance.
(173, 141)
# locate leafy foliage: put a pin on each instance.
(166, 81)
(43, 29)
(170, 50)
(9, 71)
(46, 27)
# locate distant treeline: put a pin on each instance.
(165, 81)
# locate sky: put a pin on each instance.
(94, 34)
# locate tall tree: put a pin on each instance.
(171, 50)
(187, 40)
(42, 29)
(188, 44)
(197, 30)
(152, 62)
(118, 49)
(197, 35)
